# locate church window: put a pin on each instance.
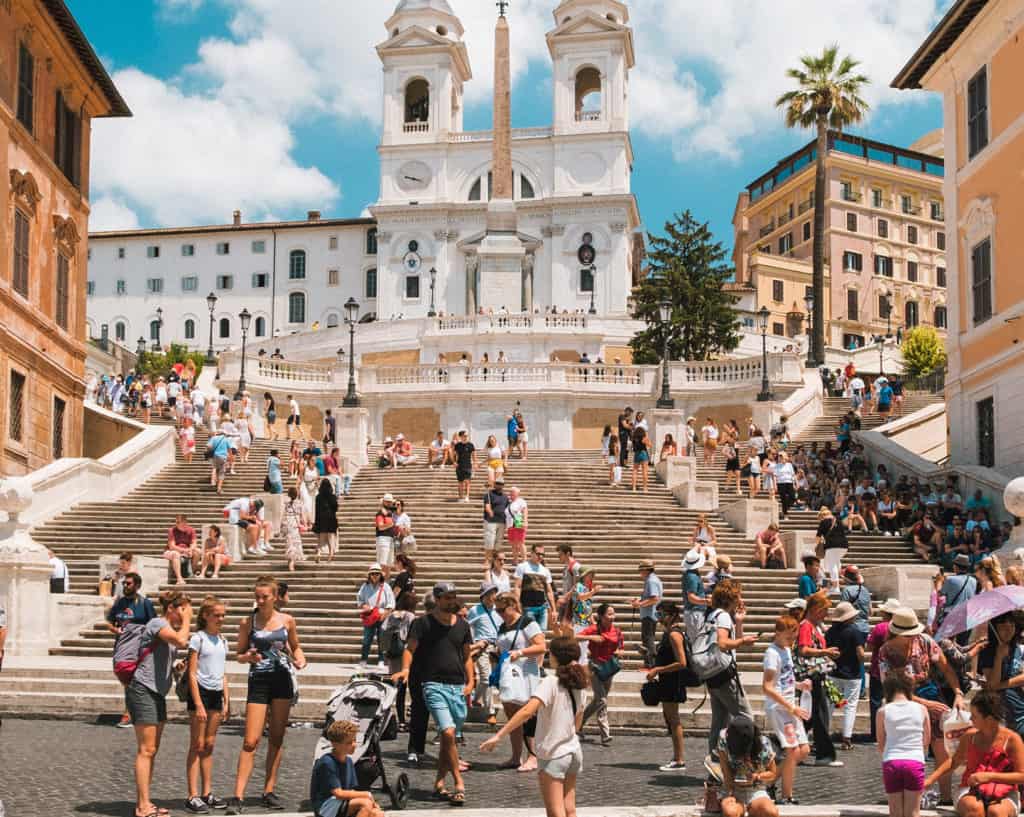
(527, 188)
(297, 265)
(297, 307)
(371, 283)
(587, 279)
(261, 327)
(588, 95)
(371, 241)
(224, 328)
(412, 287)
(476, 191)
(417, 103)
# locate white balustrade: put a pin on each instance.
(284, 371)
(484, 324)
(488, 135)
(416, 127)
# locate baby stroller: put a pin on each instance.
(370, 703)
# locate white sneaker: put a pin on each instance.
(672, 766)
(254, 552)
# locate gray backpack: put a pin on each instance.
(708, 662)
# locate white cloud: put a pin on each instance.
(112, 214)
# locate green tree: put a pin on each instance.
(687, 268)
(923, 351)
(157, 364)
(828, 95)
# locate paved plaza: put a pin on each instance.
(74, 768)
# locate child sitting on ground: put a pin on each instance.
(332, 789)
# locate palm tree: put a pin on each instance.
(827, 96)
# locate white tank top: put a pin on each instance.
(904, 725)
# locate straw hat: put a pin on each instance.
(904, 622)
(645, 564)
(890, 606)
(844, 611)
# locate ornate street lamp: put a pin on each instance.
(351, 316)
(159, 325)
(593, 289)
(433, 283)
(809, 303)
(211, 304)
(665, 313)
(244, 319)
(762, 323)
(140, 353)
(887, 307)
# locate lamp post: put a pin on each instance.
(809, 303)
(432, 313)
(351, 315)
(244, 319)
(762, 319)
(887, 306)
(159, 325)
(140, 353)
(211, 304)
(593, 289)
(665, 313)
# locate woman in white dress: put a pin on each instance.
(295, 520)
(244, 437)
(309, 485)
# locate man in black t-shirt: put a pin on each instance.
(438, 645)
(465, 460)
(625, 433)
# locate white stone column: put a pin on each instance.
(353, 429)
(24, 575)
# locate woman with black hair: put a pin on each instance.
(605, 644)
(748, 768)
(325, 521)
(669, 662)
(557, 703)
(1002, 662)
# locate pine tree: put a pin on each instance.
(687, 267)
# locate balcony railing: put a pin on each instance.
(938, 215)
(804, 206)
(588, 116)
(510, 322)
(488, 135)
(849, 195)
(767, 228)
(283, 371)
(416, 127)
(911, 211)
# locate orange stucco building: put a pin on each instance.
(51, 87)
(975, 59)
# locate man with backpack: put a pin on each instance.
(958, 589)
(217, 449)
(132, 611)
(484, 623)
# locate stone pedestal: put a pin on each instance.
(501, 257)
(1013, 498)
(24, 575)
(912, 584)
(798, 543)
(673, 471)
(750, 516)
(697, 495)
(666, 421)
(353, 432)
(273, 510)
(152, 570)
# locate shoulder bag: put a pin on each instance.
(182, 683)
(514, 685)
(373, 615)
(606, 670)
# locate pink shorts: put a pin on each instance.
(902, 775)
(516, 536)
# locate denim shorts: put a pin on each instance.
(540, 615)
(446, 703)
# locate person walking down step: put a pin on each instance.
(647, 603)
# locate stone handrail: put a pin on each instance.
(488, 135)
(287, 371)
(505, 376)
(482, 324)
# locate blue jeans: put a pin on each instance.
(370, 634)
(446, 704)
(540, 615)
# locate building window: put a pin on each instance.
(59, 407)
(224, 328)
(120, 253)
(981, 281)
(807, 231)
(152, 252)
(90, 287)
(883, 306)
(16, 408)
(911, 270)
(765, 249)
(527, 191)
(188, 250)
(190, 283)
(853, 261)
(883, 228)
(332, 277)
(940, 240)
(910, 316)
(297, 307)
(332, 320)
(154, 286)
(154, 330)
(851, 222)
(778, 291)
(260, 280)
(940, 277)
(851, 341)
(911, 234)
(120, 331)
(190, 329)
(847, 191)
(940, 317)
(371, 241)
(21, 243)
(297, 265)
(63, 295)
(371, 283)
(778, 329)
(785, 243)
(936, 211)
(986, 410)
(852, 311)
(588, 95)
(261, 327)
(412, 287)
(26, 86)
(476, 191)
(121, 287)
(332, 242)
(876, 197)
(67, 140)
(883, 265)
(417, 105)
(977, 113)
(224, 248)
(225, 281)
(259, 247)
(586, 280)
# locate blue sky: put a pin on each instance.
(273, 108)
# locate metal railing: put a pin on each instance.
(932, 383)
(767, 228)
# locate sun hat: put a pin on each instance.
(399, 436)
(796, 604)
(646, 564)
(586, 571)
(844, 611)
(499, 481)
(375, 568)
(694, 560)
(890, 606)
(487, 587)
(904, 622)
(962, 560)
(387, 498)
(444, 588)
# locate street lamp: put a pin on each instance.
(433, 283)
(665, 313)
(244, 319)
(887, 307)
(762, 321)
(593, 289)
(809, 303)
(211, 304)
(140, 353)
(351, 315)
(159, 325)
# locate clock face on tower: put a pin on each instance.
(413, 176)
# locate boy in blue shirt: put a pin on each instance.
(807, 584)
(332, 789)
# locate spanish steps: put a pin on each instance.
(610, 529)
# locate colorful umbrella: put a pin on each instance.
(981, 609)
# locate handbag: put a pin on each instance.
(606, 670)
(513, 684)
(649, 693)
(182, 684)
(373, 615)
(997, 761)
(267, 486)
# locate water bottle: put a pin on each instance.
(930, 799)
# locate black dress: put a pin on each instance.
(671, 688)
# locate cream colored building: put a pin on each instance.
(975, 59)
(885, 238)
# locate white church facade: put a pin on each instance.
(422, 252)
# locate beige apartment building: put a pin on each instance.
(975, 59)
(885, 239)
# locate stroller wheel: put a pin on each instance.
(400, 791)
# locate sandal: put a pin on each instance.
(441, 792)
(459, 798)
(509, 764)
(157, 811)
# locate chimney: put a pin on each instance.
(237, 218)
(313, 215)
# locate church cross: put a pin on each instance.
(502, 6)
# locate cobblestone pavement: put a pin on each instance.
(73, 768)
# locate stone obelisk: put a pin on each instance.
(501, 252)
